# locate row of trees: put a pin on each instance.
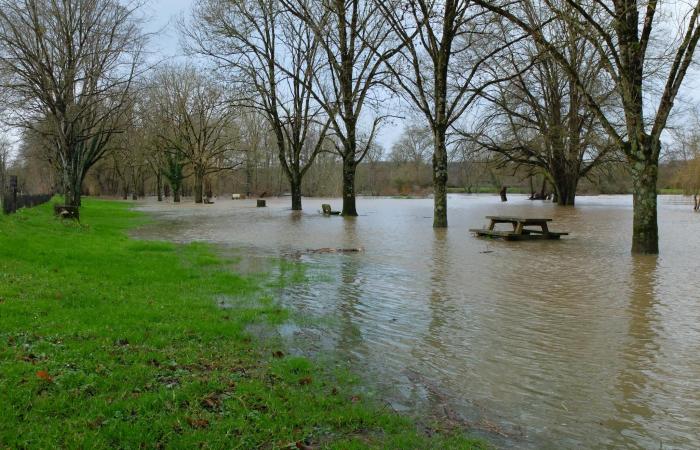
(555, 87)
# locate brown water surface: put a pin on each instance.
(556, 344)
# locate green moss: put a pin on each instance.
(110, 342)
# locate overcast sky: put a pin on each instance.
(165, 44)
(163, 15)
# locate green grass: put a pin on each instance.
(109, 342)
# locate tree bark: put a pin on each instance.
(439, 180)
(72, 183)
(349, 205)
(566, 191)
(159, 186)
(176, 194)
(645, 232)
(295, 185)
(198, 184)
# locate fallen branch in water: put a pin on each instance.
(335, 250)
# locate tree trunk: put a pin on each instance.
(349, 206)
(198, 182)
(295, 184)
(543, 191)
(439, 180)
(125, 192)
(72, 183)
(159, 186)
(645, 231)
(566, 191)
(134, 196)
(176, 194)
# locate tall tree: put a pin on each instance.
(414, 147)
(271, 57)
(352, 35)
(70, 64)
(539, 119)
(639, 53)
(197, 124)
(443, 47)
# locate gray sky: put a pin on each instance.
(165, 44)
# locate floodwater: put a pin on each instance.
(542, 344)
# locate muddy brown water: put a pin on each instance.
(550, 344)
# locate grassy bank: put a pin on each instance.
(107, 341)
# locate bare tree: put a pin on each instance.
(70, 64)
(197, 123)
(539, 119)
(438, 70)
(414, 147)
(623, 32)
(354, 39)
(686, 155)
(271, 57)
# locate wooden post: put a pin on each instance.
(504, 198)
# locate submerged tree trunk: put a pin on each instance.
(504, 193)
(439, 180)
(198, 184)
(565, 189)
(295, 185)
(349, 205)
(645, 232)
(159, 186)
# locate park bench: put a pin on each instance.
(522, 229)
(327, 211)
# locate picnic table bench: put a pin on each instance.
(519, 232)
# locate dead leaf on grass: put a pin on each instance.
(44, 375)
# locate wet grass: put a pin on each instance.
(109, 342)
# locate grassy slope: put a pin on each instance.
(111, 342)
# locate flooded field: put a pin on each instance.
(550, 344)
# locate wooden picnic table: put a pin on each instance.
(522, 228)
